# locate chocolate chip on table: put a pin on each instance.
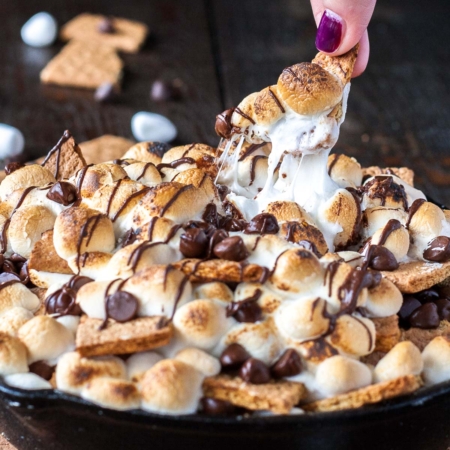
(121, 306)
(234, 356)
(193, 243)
(232, 249)
(105, 92)
(264, 223)
(288, 365)
(382, 258)
(255, 371)
(216, 407)
(410, 304)
(438, 249)
(63, 193)
(12, 167)
(426, 316)
(443, 307)
(42, 369)
(106, 25)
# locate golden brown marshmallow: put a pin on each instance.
(146, 152)
(18, 295)
(267, 106)
(12, 319)
(383, 300)
(286, 211)
(436, 360)
(200, 360)
(145, 173)
(139, 363)
(13, 355)
(344, 170)
(376, 218)
(397, 241)
(214, 291)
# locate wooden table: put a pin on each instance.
(398, 114)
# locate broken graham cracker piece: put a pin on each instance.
(405, 174)
(421, 337)
(122, 34)
(374, 393)
(387, 333)
(223, 270)
(84, 65)
(105, 148)
(417, 276)
(279, 397)
(138, 335)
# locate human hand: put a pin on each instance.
(341, 25)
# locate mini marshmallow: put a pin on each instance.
(12, 319)
(344, 170)
(376, 218)
(264, 250)
(213, 291)
(383, 300)
(146, 152)
(171, 387)
(436, 360)
(200, 360)
(403, 359)
(13, 355)
(91, 264)
(267, 299)
(145, 173)
(353, 259)
(28, 381)
(18, 295)
(339, 374)
(397, 241)
(45, 338)
(70, 322)
(139, 363)
(74, 371)
(112, 393)
(39, 30)
(148, 126)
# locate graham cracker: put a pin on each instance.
(404, 173)
(374, 393)
(279, 397)
(128, 35)
(226, 271)
(421, 338)
(387, 333)
(105, 148)
(137, 335)
(84, 65)
(416, 276)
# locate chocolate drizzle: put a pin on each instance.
(165, 208)
(277, 101)
(57, 149)
(250, 149)
(8, 279)
(390, 227)
(382, 187)
(413, 209)
(128, 200)
(245, 116)
(146, 166)
(253, 167)
(85, 232)
(333, 163)
(174, 164)
(111, 197)
(188, 149)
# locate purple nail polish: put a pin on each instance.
(329, 33)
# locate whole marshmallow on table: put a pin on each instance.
(40, 30)
(11, 141)
(147, 126)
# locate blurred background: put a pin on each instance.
(222, 50)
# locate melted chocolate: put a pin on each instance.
(63, 193)
(438, 250)
(333, 163)
(277, 101)
(121, 306)
(246, 310)
(253, 167)
(146, 166)
(173, 199)
(174, 164)
(85, 232)
(231, 248)
(413, 209)
(12, 167)
(288, 365)
(390, 227)
(57, 149)
(382, 187)
(216, 407)
(234, 356)
(193, 243)
(223, 125)
(128, 200)
(264, 223)
(251, 149)
(254, 371)
(245, 116)
(8, 279)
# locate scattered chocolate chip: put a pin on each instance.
(105, 92)
(429, 295)
(216, 407)
(426, 316)
(223, 125)
(382, 258)
(231, 248)
(443, 307)
(42, 369)
(246, 310)
(288, 365)
(78, 281)
(12, 167)
(264, 223)
(233, 356)
(121, 306)
(193, 243)
(106, 25)
(254, 371)
(438, 249)
(63, 302)
(162, 91)
(63, 193)
(410, 304)
(129, 238)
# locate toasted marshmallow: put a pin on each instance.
(200, 360)
(91, 264)
(112, 393)
(384, 190)
(354, 336)
(73, 371)
(139, 363)
(12, 319)
(339, 374)
(268, 300)
(266, 110)
(171, 387)
(397, 241)
(13, 355)
(70, 322)
(146, 151)
(160, 229)
(32, 175)
(288, 211)
(298, 231)
(91, 297)
(26, 227)
(28, 381)
(45, 338)
(383, 300)
(18, 295)
(436, 360)
(264, 250)
(201, 323)
(214, 291)
(403, 359)
(80, 230)
(199, 179)
(353, 259)
(145, 173)
(302, 319)
(244, 114)
(344, 170)
(252, 173)
(376, 218)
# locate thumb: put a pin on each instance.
(341, 23)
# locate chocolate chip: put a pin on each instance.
(42, 369)
(128, 238)
(382, 258)
(63, 193)
(234, 356)
(193, 243)
(63, 302)
(223, 191)
(121, 306)
(162, 91)
(78, 281)
(254, 371)
(216, 407)
(444, 291)
(223, 125)
(105, 92)
(24, 274)
(210, 215)
(8, 266)
(426, 316)
(158, 148)
(410, 304)
(443, 307)
(264, 223)
(232, 224)
(438, 249)
(12, 167)
(106, 25)
(16, 258)
(231, 248)
(288, 365)
(428, 295)
(309, 246)
(246, 310)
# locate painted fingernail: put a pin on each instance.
(329, 33)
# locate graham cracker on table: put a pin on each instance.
(128, 35)
(374, 393)
(5, 445)
(137, 335)
(421, 337)
(416, 276)
(84, 65)
(279, 397)
(404, 173)
(105, 148)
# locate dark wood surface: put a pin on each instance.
(399, 110)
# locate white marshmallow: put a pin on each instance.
(12, 141)
(384, 300)
(200, 360)
(40, 30)
(13, 356)
(28, 381)
(70, 322)
(436, 361)
(139, 363)
(148, 126)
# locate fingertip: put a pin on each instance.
(363, 56)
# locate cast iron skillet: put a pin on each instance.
(35, 420)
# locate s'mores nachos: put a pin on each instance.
(264, 275)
